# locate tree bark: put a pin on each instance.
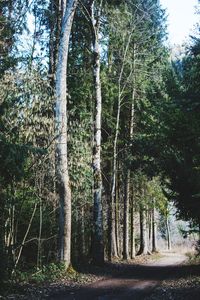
(150, 227)
(143, 232)
(82, 232)
(24, 239)
(126, 218)
(63, 183)
(169, 245)
(57, 9)
(113, 243)
(154, 230)
(39, 256)
(117, 218)
(133, 251)
(98, 243)
(132, 229)
(128, 187)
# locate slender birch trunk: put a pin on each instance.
(24, 239)
(63, 183)
(51, 41)
(56, 9)
(150, 228)
(128, 177)
(39, 261)
(117, 218)
(98, 243)
(113, 245)
(131, 137)
(133, 229)
(83, 248)
(154, 229)
(128, 187)
(169, 244)
(126, 218)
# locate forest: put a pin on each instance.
(99, 132)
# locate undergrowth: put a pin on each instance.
(193, 258)
(46, 273)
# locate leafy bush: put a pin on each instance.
(47, 273)
(197, 248)
(194, 258)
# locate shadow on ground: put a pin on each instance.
(129, 282)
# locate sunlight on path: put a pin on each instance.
(169, 259)
(137, 282)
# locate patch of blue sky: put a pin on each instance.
(28, 45)
(182, 18)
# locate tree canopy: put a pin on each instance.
(99, 130)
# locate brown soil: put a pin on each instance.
(135, 281)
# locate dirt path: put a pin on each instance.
(136, 282)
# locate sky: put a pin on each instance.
(181, 19)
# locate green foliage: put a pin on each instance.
(47, 273)
(26, 122)
(182, 132)
(168, 142)
(162, 153)
(194, 259)
(13, 16)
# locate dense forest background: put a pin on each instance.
(92, 158)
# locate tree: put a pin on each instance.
(179, 128)
(126, 127)
(98, 243)
(154, 229)
(143, 250)
(63, 183)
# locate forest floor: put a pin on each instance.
(168, 276)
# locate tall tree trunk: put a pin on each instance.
(113, 243)
(98, 243)
(132, 228)
(112, 240)
(39, 254)
(126, 218)
(54, 11)
(117, 218)
(24, 239)
(154, 229)
(128, 186)
(56, 8)
(63, 183)
(150, 228)
(143, 232)
(169, 244)
(82, 232)
(131, 141)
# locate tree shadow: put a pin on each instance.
(138, 271)
(121, 278)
